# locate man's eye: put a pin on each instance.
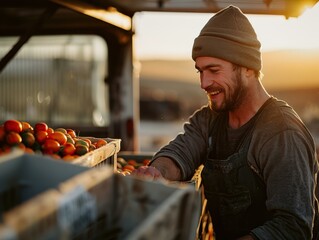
(212, 70)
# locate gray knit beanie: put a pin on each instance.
(228, 35)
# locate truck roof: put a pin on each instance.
(288, 8)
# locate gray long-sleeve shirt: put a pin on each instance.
(282, 152)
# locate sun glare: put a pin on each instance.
(310, 12)
(279, 33)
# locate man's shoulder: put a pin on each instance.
(279, 113)
(278, 116)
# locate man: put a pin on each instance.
(259, 159)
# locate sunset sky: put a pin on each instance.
(171, 35)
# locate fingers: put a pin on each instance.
(147, 172)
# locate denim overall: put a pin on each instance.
(235, 194)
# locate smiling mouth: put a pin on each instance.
(214, 93)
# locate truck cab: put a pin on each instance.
(67, 69)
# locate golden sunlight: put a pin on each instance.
(305, 27)
(311, 12)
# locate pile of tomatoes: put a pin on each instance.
(59, 143)
(126, 167)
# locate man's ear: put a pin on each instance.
(248, 73)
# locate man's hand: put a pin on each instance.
(147, 172)
(161, 168)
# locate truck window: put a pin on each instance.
(56, 79)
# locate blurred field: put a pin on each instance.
(289, 75)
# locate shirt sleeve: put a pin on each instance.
(288, 166)
(189, 148)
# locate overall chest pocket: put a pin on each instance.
(223, 185)
(231, 203)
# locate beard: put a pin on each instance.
(234, 99)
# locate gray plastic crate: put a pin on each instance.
(45, 198)
(68, 201)
(23, 176)
(153, 210)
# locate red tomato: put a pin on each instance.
(40, 136)
(26, 127)
(13, 126)
(68, 149)
(71, 132)
(99, 143)
(128, 167)
(41, 126)
(50, 146)
(50, 131)
(146, 162)
(59, 136)
(13, 138)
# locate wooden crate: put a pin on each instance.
(104, 155)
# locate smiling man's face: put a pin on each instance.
(222, 82)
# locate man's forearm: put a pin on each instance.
(168, 168)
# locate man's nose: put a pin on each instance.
(205, 82)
